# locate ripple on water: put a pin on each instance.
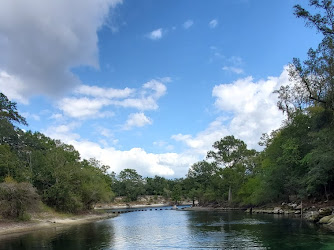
(235, 222)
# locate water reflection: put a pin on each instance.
(215, 230)
(151, 230)
(96, 235)
(160, 229)
(243, 231)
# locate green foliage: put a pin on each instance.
(229, 151)
(157, 186)
(253, 192)
(68, 184)
(299, 160)
(237, 164)
(320, 161)
(96, 186)
(313, 79)
(8, 111)
(176, 193)
(130, 184)
(323, 21)
(203, 182)
(63, 181)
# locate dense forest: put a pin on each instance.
(297, 160)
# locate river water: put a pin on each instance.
(171, 229)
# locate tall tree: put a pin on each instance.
(9, 112)
(232, 154)
(203, 182)
(323, 21)
(131, 184)
(313, 80)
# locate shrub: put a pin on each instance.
(16, 199)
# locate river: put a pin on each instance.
(171, 229)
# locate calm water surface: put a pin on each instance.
(170, 229)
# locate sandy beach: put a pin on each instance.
(10, 227)
(124, 206)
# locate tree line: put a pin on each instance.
(52, 171)
(297, 160)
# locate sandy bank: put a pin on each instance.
(10, 227)
(124, 206)
(133, 205)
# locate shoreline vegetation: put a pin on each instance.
(295, 164)
(319, 214)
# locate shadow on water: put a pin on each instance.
(236, 230)
(95, 235)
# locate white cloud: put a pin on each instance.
(213, 23)
(63, 132)
(235, 63)
(158, 88)
(13, 87)
(147, 164)
(163, 144)
(202, 142)
(248, 109)
(90, 100)
(252, 111)
(187, 24)
(155, 34)
(252, 104)
(234, 70)
(137, 120)
(40, 41)
(104, 132)
(147, 97)
(147, 103)
(84, 107)
(96, 91)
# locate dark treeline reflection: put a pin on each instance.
(228, 230)
(87, 236)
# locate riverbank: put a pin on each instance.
(321, 213)
(42, 221)
(144, 201)
(125, 206)
(48, 218)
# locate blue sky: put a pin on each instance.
(149, 84)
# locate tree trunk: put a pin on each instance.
(229, 195)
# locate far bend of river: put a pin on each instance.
(170, 229)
